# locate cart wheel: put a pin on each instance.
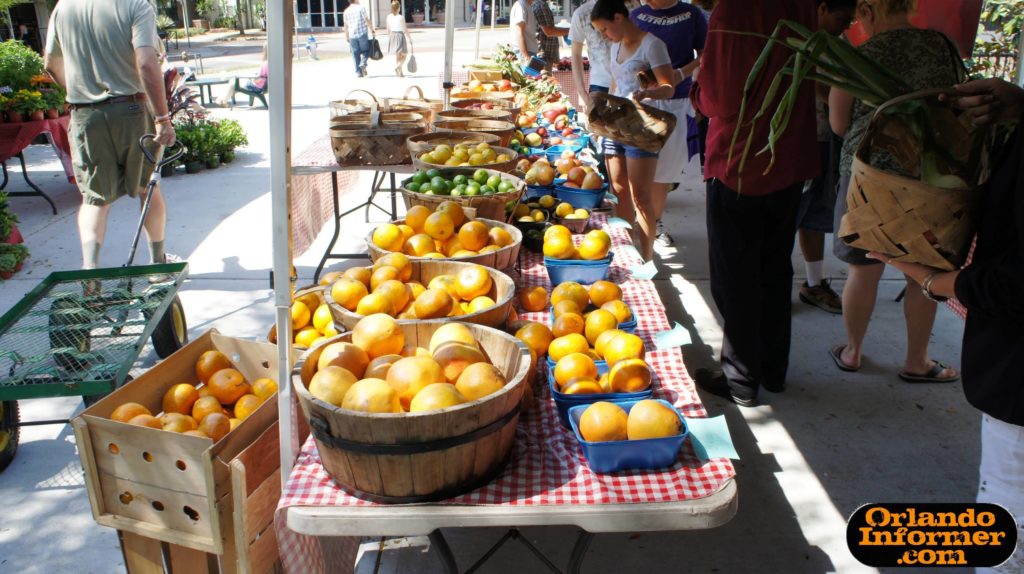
(9, 431)
(171, 332)
(90, 400)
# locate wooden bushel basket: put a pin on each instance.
(903, 217)
(425, 142)
(374, 137)
(473, 103)
(501, 128)
(504, 166)
(502, 290)
(487, 206)
(457, 114)
(630, 123)
(417, 457)
(503, 258)
(422, 105)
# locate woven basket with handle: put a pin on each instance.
(495, 104)
(425, 142)
(629, 122)
(502, 129)
(903, 217)
(457, 114)
(421, 104)
(374, 137)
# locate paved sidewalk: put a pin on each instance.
(809, 457)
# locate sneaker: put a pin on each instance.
(822, 296)
(164, 277)
(663, 238)
(716, 384)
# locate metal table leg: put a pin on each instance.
(444, 552)
(378, 181)
(579, 551)
(37, 191)
(328, 253)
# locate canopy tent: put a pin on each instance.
(280, 25)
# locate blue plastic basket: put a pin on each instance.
(642, 454)
(554, 152)
(602, 366)
(627, 326)
(538, 191)
(585, 198)
(564, 402)
(578, 270)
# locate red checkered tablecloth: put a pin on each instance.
(547, 464)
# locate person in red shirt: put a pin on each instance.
(751, 215)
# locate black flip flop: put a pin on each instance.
(932, 376)
(837, 357)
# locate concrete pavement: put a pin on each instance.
(832, 442)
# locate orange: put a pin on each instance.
(234, 423)
(650, 419)
(439, 226)
(574, 366)
(416, 216)
(347, 292)
(451, 333)
(146, 421)
(558, 247)
(446, 282)
(375, 303)
(306, 336)
(388, 237)
(407, 231)
(537, 336)
(606, 387)
(215, 425)
(533, 298)
(603, 339)
(595, 245)
(567, 344)
(622, 347)
(205, 406)
(582, 386)
(567, 323)
(330, 384)
(361, 274)
(396, 292)
(180, 398)
(127, 411)
(378, 335)
(598, 322)
(500, 237)
(330, 330)
(177, 422)
(410, 375)
(379, 367)
(246, 405)
(197, 433)
(464, 253)
(557, 230)
(419, 245)
(488, 249)
(415, 288)
(322, 317)
(264, 388)
(473, 235)
(566, 306)
(433, 304)
(436, 396)
(602, 422)
(480, 303)
(451, 246)
(603, 291)
(619, 309)
(572, 291)
(382, 274)
(330, 277)
(479, 380)
(629, 376)
(204, 391)
(209, 363)
(397, 260)
(372, 396)
(455, 357)
(345, 355)
(473, 281)
(311, 300)
(414, 351)
(454, 211)
(228, 385)
(434, 255)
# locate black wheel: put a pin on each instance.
(171, 332)
(9, 431)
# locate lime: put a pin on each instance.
(473, 186)
(412, 186)
(504, 187)
(420, 177)
(514, 143)
(438, 185)
(460, 179)
(432, 173)
(493, 181)
(456, 192)
(480, 176)
(459, 188)
(487, 190)
(472, 190)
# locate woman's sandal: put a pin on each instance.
(932, 376)
(837, 357)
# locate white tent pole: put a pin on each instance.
(279, 25)
(494, 12)
(479, 20)
(188, 36)
(1020, 62)
(449, 41)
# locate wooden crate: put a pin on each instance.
(165, 486)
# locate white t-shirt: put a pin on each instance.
(649, 55)
(395, 23)
(522, 13)
(598, 47)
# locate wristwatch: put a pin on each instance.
(926, 286)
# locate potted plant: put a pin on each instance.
(230, 135)
(3, 104)
(31, 104)
(9, 232)
(18, 65)
(12, 259)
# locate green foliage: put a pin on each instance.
(997, 56)
(164, 22)
(7, 217)
(206, 138)
(18, 64)
(11, 254)
(230, 135)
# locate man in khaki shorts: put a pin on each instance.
(105, 54)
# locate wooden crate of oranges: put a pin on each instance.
(166, 476)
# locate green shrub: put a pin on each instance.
(19, 64)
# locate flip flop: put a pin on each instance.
(837, 357)
(932, 376)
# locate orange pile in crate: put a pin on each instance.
(558, 244)
(311, 317)
(444, 232)
(210, 408)
(378, 373)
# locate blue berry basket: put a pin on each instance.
(538, 191)
(564, 402)
(585, 198)
(641, 454)
(579, 270)
(554, 152)
(627, 326)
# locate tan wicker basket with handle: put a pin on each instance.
(421, 104)
(502, 129)
(374, 137)
(458, 114)
(350, 105)
(494, 103)
(629, 122)
(903, 217)
(425, 142)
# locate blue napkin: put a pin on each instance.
(615, 222)
(646, 271)
(711, 439)
(677, 337)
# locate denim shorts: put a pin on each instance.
(610, 147)
(596, 88)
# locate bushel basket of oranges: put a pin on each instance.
(413, 412)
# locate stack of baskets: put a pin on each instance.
(374, 137)
(630, 123)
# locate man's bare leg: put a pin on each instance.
(92, 226)
(155, 224)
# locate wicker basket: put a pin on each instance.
(464, 94)
(349, 105)
(457, 114)
(487, 206)
(503, 258)
(374, 137)
(502, 291)
(502, 129)
(504, 166)
(630, 123)
(421, 104)
(503, 104)
(425, 142)
(416, 457)
(321, 293)
(902, 217)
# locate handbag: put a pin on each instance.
(412, 64)
(375, 51)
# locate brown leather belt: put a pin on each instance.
(115, 100)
